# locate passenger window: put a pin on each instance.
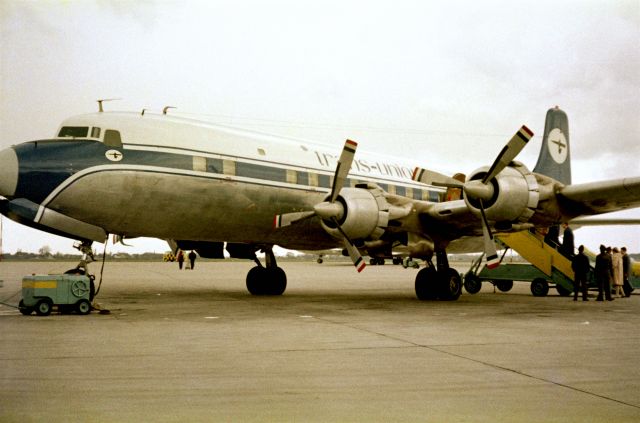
(292, 176)
(112, 138)
(73, 131)
(95, 132)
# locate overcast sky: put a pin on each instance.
(444, 83)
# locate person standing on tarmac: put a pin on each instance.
(192, 259)
(604, 274)
(180, 259)
(581, 267)
(618, 270)
(626, 270)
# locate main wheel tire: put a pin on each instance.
(256, 280)
(83, 307)
(266, 281)
(427, 284)
(472, 283)
(43, 307)
(504, 286)
(450, 285)
(276, 281)
(539, 287)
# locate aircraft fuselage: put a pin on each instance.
(173, 178)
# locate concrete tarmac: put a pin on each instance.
(338, 346)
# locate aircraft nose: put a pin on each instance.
(8, 172)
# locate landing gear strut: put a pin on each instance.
(269, 280)
(444, 283)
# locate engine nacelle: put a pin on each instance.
(365, 214)
(515, 194)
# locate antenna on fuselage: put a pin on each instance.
(164, 110)
(100, 109)
(143, 110)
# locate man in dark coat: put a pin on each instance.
(192, 259)
(567, 242)
(626, 272)
(581, 267)
(552, 235)
(604, 274)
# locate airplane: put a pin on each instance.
(209, 187)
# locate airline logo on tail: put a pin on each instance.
(557, 145)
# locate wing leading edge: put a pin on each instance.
(600, 197)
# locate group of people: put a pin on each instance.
(612, 270)
(180, 259)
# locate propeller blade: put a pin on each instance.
(489, 244)
(355, 255)
(458, 185)
(430, 177)
(342, 169)
(356, 258)
(509, 152)
(282, 220)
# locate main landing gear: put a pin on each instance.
(441, 284)
(269, 279)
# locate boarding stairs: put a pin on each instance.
(546, 258)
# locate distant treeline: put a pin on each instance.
(24, 256)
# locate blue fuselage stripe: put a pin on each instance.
(44, 165)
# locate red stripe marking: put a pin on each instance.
(527, 130)
(352, 143)
(493, 262)
(276, 221)
(413, 175)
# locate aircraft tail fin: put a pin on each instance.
(555, 155)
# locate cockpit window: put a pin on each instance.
(95, 132)
(112, 138)
(73, 132)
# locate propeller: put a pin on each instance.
(330, 209)
(481, 189)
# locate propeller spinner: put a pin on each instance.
(330, 209)
(481, 189)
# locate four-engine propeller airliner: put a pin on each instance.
(203, 186)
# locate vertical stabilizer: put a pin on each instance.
(555, 155)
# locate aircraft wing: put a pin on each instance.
(600, 197)
(580, 222)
